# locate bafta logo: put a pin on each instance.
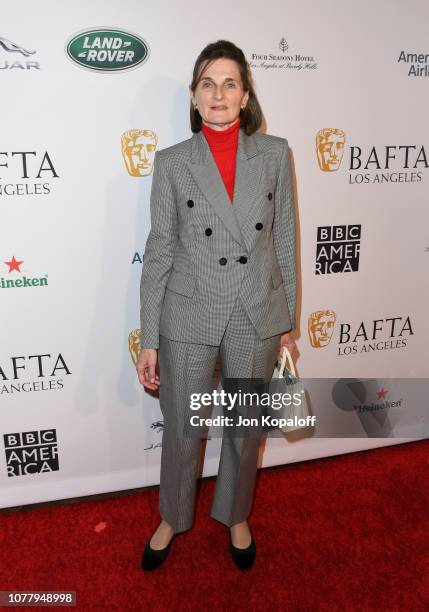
(329, 148)
(138, 151)
(134, 345)
(320, 327)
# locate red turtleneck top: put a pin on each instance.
(223, 145)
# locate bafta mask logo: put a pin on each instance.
(320, 327)
(138, 151)
(329, 148)
(134, 345)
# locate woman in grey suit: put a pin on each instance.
(219, 277)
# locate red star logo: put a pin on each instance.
(381, 393)
(13, 264)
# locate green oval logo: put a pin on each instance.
(107, 50)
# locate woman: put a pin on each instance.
(219, 276)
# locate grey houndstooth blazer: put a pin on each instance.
(202, 251)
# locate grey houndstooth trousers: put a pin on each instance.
(185, 367)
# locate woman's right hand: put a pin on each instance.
(147, 369)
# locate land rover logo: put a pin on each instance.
(107, 50)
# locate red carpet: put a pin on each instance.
(343, 533)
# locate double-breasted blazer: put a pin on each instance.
(202, 251)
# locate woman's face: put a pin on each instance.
(219, 94)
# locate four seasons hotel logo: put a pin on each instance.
(283, 58)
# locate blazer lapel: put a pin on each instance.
(250, 162)
(247, 176)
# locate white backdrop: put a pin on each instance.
(74, 221)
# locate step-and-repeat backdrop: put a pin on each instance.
(89, 91)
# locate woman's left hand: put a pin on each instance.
(287, 340)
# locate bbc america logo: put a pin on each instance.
(31, 452)
(337, 249)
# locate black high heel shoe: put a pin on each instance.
(152, 558)
(243, 557)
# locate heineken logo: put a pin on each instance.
(10, 283)
(20, 281)
(107, 50)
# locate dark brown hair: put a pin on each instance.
(251, 116)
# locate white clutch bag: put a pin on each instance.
(288, 410)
